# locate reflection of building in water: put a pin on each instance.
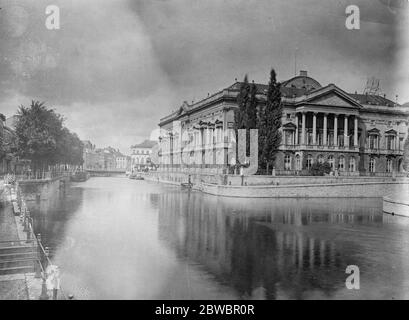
(280, 245)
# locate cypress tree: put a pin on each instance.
(251, 115)
(240, 114)
(272, 122)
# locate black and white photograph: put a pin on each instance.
(215, 150)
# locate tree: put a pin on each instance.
(320, 169)
(42, 138)
(251, 115)
(271, 123)
(240, 114)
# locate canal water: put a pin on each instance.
(116, 238)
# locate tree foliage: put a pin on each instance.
(43, 139)
(270, 124)
(320, 169)
(240, 114)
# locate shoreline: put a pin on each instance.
(325, 187)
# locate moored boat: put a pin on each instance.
(136, 176)
(399, 207)
(80, 176)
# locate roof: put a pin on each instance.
(372, 99)
(295, 88)
(145, 144)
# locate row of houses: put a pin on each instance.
(111, 159)
(104, 159)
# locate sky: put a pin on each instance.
(115, 67)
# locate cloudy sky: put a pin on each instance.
(116, 67)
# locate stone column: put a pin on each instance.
(335, 130)
(314, 128)
(356, 131)
(324, 138)
(303, 129)
(346, 141)
(296, 129)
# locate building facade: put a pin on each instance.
(354, 133)
(141, 154)
(9, 162)
(104, 159)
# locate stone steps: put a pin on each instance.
(17, 259)
(15, 270)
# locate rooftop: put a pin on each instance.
(297, 87)
(145, 144)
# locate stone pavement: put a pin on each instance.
(22, 286)
(8, 227)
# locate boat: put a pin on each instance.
(187, 185)
(136, 176)
(80, 176)
(396, 206)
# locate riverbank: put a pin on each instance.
(17, 286)
(287, 186)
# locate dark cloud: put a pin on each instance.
(116, 67)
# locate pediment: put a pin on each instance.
(332, 96)
(333, 99)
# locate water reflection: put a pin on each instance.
(288, 248)
(124, 239)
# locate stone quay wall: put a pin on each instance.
(42, 189)
(286, 186)
(334, 190)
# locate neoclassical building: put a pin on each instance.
(354, 133)
(141, 154)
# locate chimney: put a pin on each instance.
(303, 73)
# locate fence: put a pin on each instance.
(11, 178)
(42, 259)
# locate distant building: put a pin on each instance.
(11, 122)
(104, 159)
(354, 133)
(141, 154)
(8, 161)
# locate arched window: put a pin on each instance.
(309, 161)
(352, 164)
(320, 159)
(341, 163)
(137, 160)
(372, 165)
(297, 162)
(331, 162)
(400, 166)
(142, 161)
(287, 162)
(389, 165)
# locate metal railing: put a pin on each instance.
(42, 260)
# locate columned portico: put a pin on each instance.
(314, 129)
(346, 140)
(355, 131)
(296, 129)
(321, 129)
(303, 129)
(324, 140)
